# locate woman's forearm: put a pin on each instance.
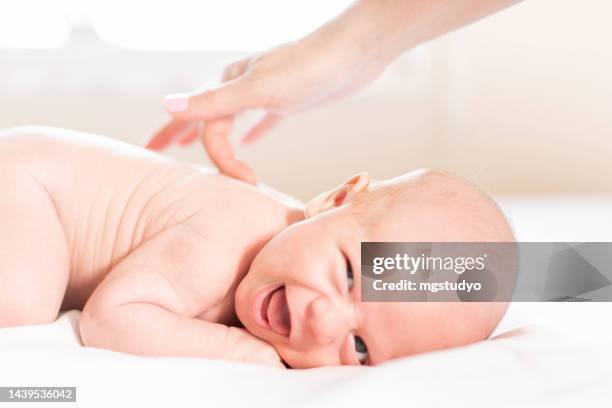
(387, 28)
(335, 60)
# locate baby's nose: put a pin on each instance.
(326, 320)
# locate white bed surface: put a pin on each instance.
(560, 219)
(564, 363)
(563, 360)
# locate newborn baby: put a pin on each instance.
(167, 258)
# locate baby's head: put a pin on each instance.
(302, 292)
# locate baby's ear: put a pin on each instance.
(338, 196)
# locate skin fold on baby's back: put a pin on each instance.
(111, 197)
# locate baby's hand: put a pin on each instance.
(243, 346)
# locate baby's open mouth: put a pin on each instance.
(274, 312)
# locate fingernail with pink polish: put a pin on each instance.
(176, 103)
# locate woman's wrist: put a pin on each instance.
(385, 29)
(366, 31)
(350, 39)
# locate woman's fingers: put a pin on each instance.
(266, 124)
(193, 135)
(235, 69)
(215, 135)
(221, 153)
(226, 99)
(217, 107)
(173, 131)
(185, 106)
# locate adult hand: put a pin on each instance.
(281, 81)
(335, 60)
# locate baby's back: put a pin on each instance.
(110, 197)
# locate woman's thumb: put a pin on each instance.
(226, 99)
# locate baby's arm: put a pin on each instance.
(148, 305)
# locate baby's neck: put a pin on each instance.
(293, 206)
(285, 211)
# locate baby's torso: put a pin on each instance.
(112, 197)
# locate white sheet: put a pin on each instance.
(564, 360)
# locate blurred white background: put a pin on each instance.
(520, 103)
